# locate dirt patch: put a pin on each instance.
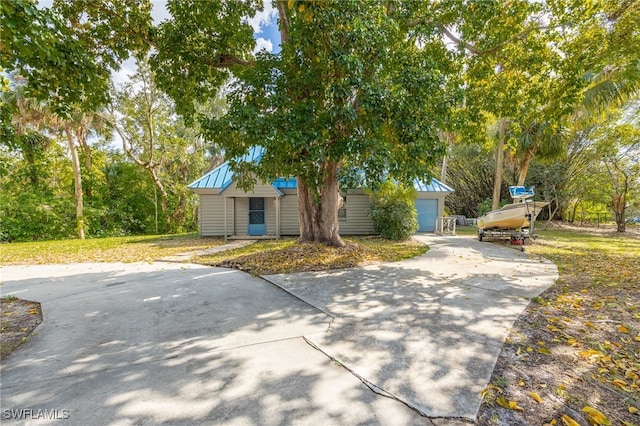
(19, 319)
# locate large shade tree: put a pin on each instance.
(616, 147)
(362, 86)
(155, 139)
(533, 64)
(356, 86)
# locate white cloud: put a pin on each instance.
(266, 17)
(263, 43)
(123, 75)
(159, 11)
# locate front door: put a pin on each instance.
(257, 223)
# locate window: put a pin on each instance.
(256, 203)
(342, 211)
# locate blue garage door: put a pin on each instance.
(427, 215)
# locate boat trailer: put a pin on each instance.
(512, 236)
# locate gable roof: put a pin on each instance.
(434, 186)
(222, 176)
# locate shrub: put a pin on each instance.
(393, 211)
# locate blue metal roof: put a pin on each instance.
(286, 183)
(222, 176)
(434, 186)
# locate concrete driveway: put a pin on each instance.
(425, 331)
(177, 344)
(187, 344)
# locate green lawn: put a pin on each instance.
(262, 257)
(114, 249)
(578, 344)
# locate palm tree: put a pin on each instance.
(34, 121)
(541, 138)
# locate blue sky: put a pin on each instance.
(265, 24)
(271, 33)
(265, 27)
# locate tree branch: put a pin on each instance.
(624, 6)
(284, 21)
(473, 49)
(228, 61)
(468, 46)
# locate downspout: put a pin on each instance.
(278, 216)
(225, 217)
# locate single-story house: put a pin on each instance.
(271, 209)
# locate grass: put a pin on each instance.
(113, 249)
(285, 256)
(589, 321)
(466, 230)
(262, 257)
(609, 259)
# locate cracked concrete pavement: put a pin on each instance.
(189, 344)
(425, 331)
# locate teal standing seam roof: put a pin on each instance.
(286, 183)
(222, 176)
(434, 186)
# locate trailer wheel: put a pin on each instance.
(480, 233)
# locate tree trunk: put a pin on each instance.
(446, 137)
(318, 212)
(524, 167)
(81, 136)
(164, 198)
(77, 177)
(497, 182)
(619, 204)
(573, 213)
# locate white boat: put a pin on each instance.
(515, 215)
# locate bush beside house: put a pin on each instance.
(393, 211)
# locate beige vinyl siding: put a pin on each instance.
(211, 215)
(358, 221)
(260, 190)
(270, 214)
(241, 217)
(289, 224)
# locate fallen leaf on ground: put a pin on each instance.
(510, 405)
(536, 397)
(568, 421)
(596, 416)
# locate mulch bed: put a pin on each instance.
(19, 319)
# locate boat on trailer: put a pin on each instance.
(513, 221)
